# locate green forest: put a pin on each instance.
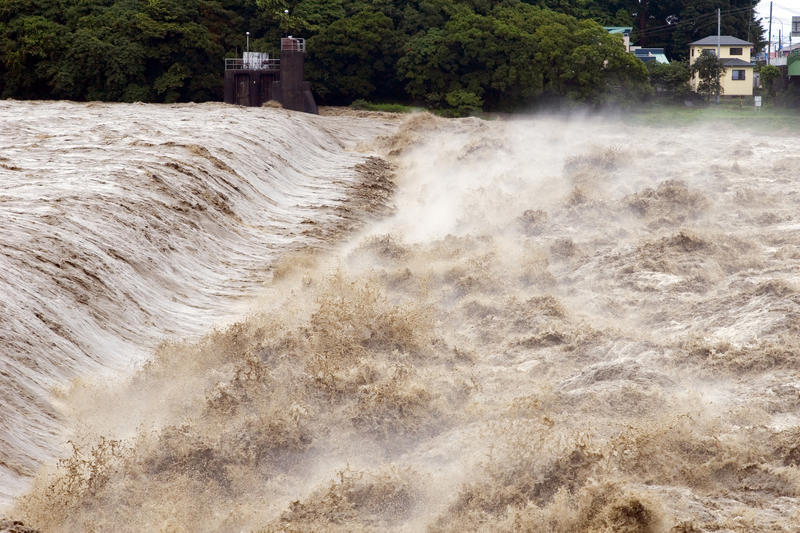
(455, 54)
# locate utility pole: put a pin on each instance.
(719, 27)
(769, 34)
(642, 22)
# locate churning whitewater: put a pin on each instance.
(255, 320)
(126, 224)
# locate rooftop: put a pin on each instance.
(736, 62)
(651, 54)
(794, 66)
(724, 40)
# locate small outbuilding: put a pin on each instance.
(651, 55)
(793, 65)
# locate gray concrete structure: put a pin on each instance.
(256, 79)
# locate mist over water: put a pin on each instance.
(563, 325)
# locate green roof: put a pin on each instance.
(618, 29)
(794, 67)
(651, 54)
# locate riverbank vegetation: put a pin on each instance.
(462, 55)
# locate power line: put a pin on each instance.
(790, 10)
(784, 8)
(695, 20)
(698, 19)
(706, 15)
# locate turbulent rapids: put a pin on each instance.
(122, 225)
(222, 319)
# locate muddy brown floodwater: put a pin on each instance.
(536, 324)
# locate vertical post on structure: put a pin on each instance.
(719, 58)
(248, 42)
(643, 5)
(769, 34)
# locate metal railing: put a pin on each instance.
(293, 44)
(248, 64)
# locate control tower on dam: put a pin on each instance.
(255, 78)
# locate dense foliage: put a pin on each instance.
(770, 74)
(514, 54)
(673, 24)
(459, 54)
(670, 80)
(150, 50)
(709, 69)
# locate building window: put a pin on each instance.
(795, 24)
(692, 52)
(709, 51)
(736, 51)
(738, 74)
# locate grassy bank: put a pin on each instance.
(729, 114)
(390, 107)
(767, 119)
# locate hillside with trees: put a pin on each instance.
(462, 54)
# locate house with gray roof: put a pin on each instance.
(737, 79)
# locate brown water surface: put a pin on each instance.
(562, 325)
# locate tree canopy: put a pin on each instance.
(513, 55)
(709, 69)
(149, 50)
(671, 79)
